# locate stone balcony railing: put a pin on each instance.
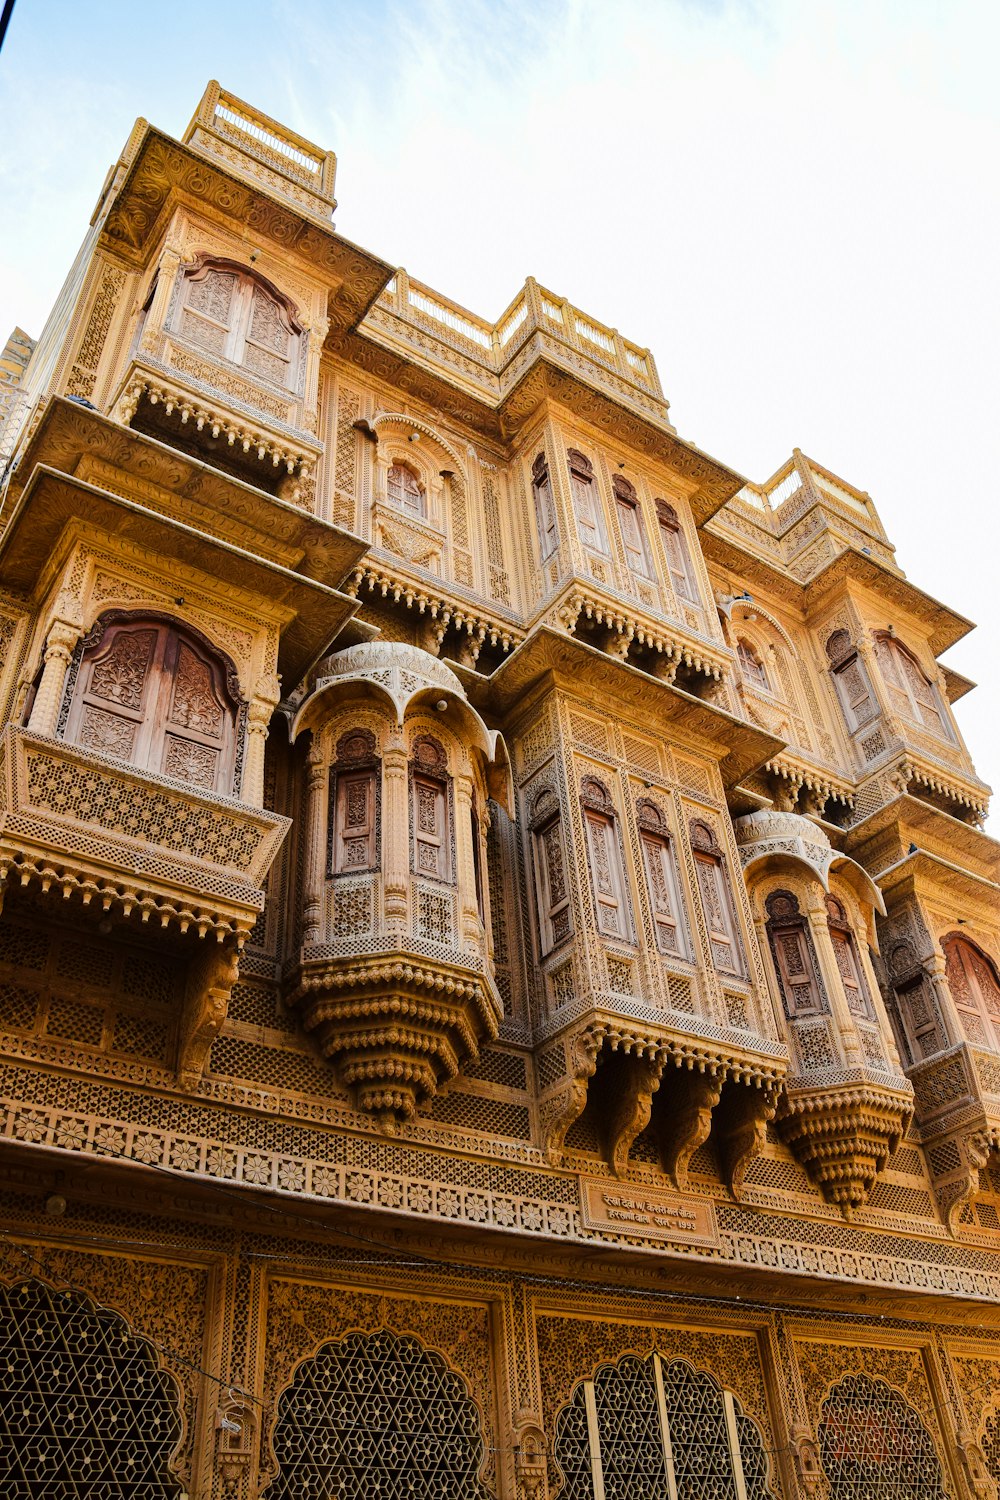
(101, 833)
(255, 146)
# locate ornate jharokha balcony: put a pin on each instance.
(92, 829)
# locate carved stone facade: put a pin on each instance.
(499, 959)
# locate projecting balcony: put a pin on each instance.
(98, 832)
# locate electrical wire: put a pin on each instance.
(5, 15)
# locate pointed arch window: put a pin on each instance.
(404, 491)
(633, 533)
(551, 882)
(910, 691)
(545, 510)
(661, 879)
(153, 692)
(850, 681)
(607, 877)
(238, 315)
(587, 502)
(975, 990)
(355, 805)
(794, 957)
(430, 810)
(752, 667)
(678, 556)
(716, 899)
(845, 950)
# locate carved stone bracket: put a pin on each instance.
(843, 1134)
(686, 1119)
(566, 1103)
(210, 983)
(530, 1457)
(959, 1186)
(741, 1121)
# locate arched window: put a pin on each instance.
(857, 701)
(86, 1410)
(430, 810)
(678, 557)
(872, 1443)
(910, 692)
(974, 989)
(845, 949)
(794, 956)
(551, 884)
(587, 502)
(630, 526)
(238, 315)
(606, 875)
(404, 490)
(753, 669)
(661, 879)
(355, 805)
(545, 510)
(652, 1428)
(716, 898)
(155, 693)
(377, 1415)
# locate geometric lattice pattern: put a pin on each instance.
(377, 1415)
(874, 1446)
(85, 1414)
(639, 1434)
(991, 1445)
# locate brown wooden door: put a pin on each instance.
(153, 696)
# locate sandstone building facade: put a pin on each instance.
(499, 956)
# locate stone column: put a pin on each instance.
(315, 819)
(60, 643)
(396, 833)
(850, 1042)
(266, 697)
(170, 262)
(470, 921)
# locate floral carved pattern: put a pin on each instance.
(107, 733)
(120, 676)
(194, 703)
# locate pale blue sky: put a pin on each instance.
(794, 203)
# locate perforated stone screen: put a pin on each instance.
(377, 1415)
(644, 1429)
(85, 1414)
(874, 1446)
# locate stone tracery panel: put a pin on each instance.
(874, 1446)
(85, 1407)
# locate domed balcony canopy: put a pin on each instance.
(767, 840)
(405, 678)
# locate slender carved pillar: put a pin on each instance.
(59, 647)
(471, 923)
(396, 843)
(166, 276)
(844, 1021)
(262, 706)
(312, 912)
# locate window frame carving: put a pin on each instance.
(419, 512)
(237, 333)
(230, 776)
(602, 826)
(899, 667)
(545, 828)
(546, 519)
(860, 709)
(428, 770)
(752, 668)
(680, 566)
(955, 946)
(659, 850)
(627, 503)
(844, 940)
(587, 497)
(786, 920)
(709, 854)
(356, 759)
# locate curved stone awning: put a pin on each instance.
(769, 839)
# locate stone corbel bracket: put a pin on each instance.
(704, 1086)
(953, 1191)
